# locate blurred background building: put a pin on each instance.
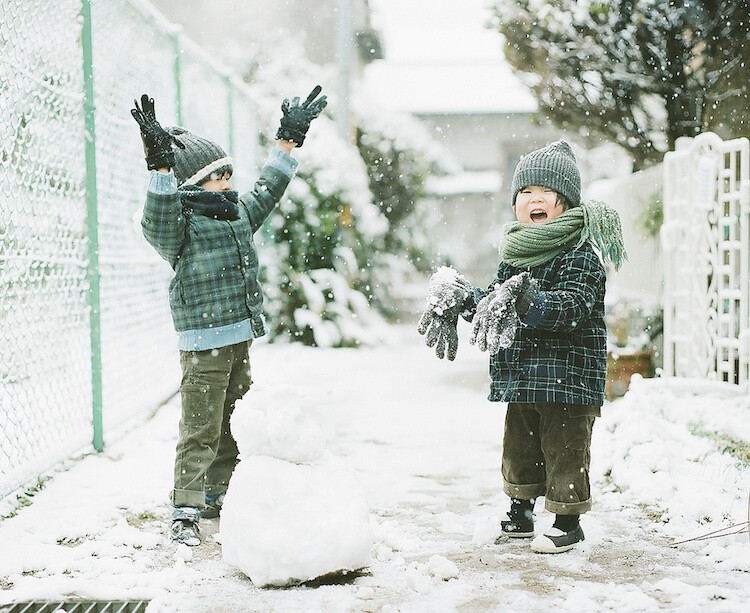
(435, 61)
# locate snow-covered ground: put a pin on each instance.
(424, 444)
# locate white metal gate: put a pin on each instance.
(705, 239)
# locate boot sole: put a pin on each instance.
(545, 543)
(552, 548)
(516, 536)
(519, 535)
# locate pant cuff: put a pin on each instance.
(567, 508)
(526, 491)
(188, 498)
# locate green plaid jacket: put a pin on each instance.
(560, 351)
(215, 262)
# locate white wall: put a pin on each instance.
(641, 276)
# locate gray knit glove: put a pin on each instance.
(446, 295)
(528, 295)
(496, 320)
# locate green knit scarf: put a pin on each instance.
(526, 245)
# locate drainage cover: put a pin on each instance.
(76, 606)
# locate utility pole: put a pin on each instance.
(344, 43)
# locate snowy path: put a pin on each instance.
(426, 446)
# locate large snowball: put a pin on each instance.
(293, 511)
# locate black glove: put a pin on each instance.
(157, 142)
(297, 117)
(496, 320)
(447, 294)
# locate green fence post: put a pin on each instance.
(177, 67)
(92, 228)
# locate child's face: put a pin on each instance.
(218, 183)
(535, 204)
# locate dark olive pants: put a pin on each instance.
(547, 452)
(212, 381)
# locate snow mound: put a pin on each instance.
(293, 511)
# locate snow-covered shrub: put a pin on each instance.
(320, 246)
(349, 227)
(317, 249)
(399, 154)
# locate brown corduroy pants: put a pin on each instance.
(547, 452)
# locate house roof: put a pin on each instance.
(441, 57)
(464, 86)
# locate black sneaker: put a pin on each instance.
(213, 506)
(555, 540)
(516, 528)
(185, 526)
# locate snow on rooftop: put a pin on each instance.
(479, 86)
(469, 182)
(423, 30)
(450, 63)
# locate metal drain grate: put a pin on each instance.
(76, 606)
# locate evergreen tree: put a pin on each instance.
(640, 73)
(399, 155)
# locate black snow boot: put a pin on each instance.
(564, 534)
(520, 522)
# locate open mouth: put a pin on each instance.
(538, 216)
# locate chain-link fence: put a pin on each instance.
(86, 340)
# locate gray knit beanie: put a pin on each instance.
(554, 167)
(199, 159)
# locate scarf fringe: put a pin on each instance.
(603, 229)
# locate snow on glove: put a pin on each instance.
(157, 142)
(496, 320)
(446, 295)
(296, 118)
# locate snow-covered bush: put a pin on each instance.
(316, 250)
(399, 154)
(349, 227)
(320, 246)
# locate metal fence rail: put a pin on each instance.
(705, 238)
(86, 340)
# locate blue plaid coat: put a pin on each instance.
(560, 351)
(215, 261)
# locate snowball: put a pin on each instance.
(285, 523)
(486, 529)
(281, 431)
(442, 568)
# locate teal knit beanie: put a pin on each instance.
(554, 167)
